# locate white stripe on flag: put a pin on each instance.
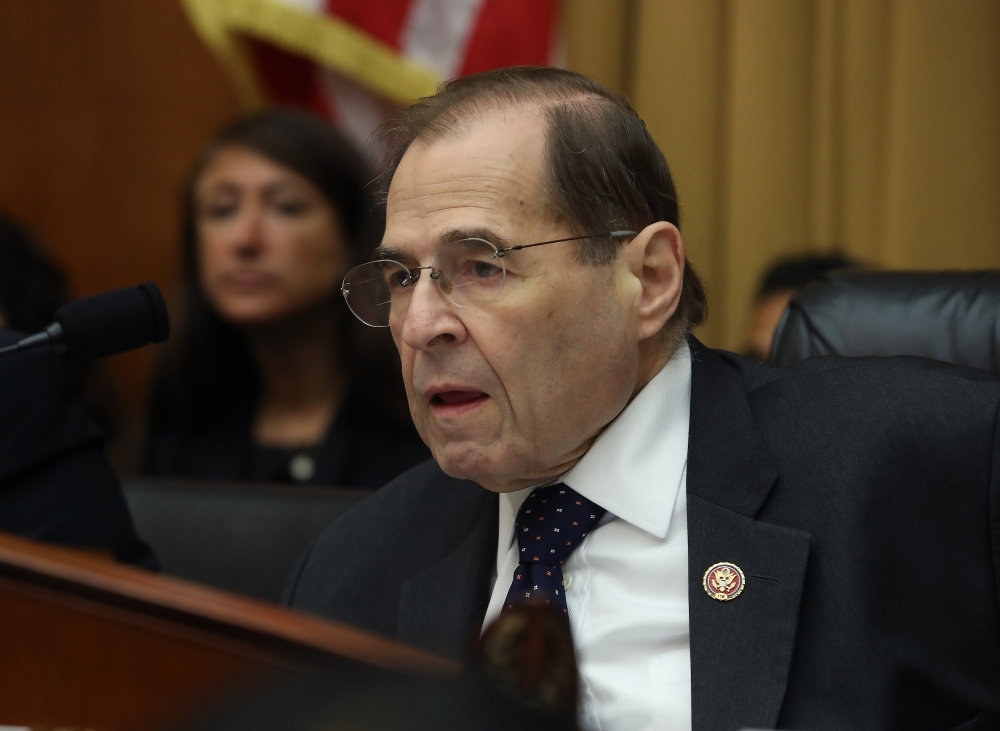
(356, 111)
(437, 32)
(313, 6)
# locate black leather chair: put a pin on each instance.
(948, 316)
(243, 538)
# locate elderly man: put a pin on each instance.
(734, 545)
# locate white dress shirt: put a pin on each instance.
(626, 584)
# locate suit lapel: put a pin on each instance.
(441, 608)
(740, 649)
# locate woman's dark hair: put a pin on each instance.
(208, 368)
(32, 287)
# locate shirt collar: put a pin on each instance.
(635, 469)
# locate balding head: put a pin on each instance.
(603, 171)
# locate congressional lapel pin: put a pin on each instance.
(723, 581)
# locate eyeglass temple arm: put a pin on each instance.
(613, 234)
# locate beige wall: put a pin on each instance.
(870, 126)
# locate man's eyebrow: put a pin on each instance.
(387, 252)
(457, 234)
(449, 236)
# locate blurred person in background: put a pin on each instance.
(269, 379)
(55, 483)
(782, 280)
(32, 288)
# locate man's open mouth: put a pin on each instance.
(457, 398)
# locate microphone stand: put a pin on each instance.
(51, 338)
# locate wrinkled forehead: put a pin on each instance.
(490, 176)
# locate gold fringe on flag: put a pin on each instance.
(329, 41)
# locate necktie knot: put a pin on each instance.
(550, 525)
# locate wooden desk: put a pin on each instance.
(87, 643)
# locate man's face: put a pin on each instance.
(511, 392)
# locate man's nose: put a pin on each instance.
(431, 321)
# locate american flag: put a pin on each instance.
(355, 61)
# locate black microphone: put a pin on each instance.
(102, 325)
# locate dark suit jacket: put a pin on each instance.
(861, 497)
(55, 484)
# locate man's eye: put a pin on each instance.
(399, 278)
(485, 269)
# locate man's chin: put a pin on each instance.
(461, 462)
(468, 444)
(474, 462)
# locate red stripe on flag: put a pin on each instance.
(382, 19)
(288, 80)
(511, 33)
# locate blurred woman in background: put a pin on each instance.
(269, 378)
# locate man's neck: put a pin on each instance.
(653, 356)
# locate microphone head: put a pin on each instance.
(114, 322)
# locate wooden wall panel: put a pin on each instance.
(103, 106)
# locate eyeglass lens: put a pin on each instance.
(467, 271)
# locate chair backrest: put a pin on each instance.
(243, 538)
(948, 316)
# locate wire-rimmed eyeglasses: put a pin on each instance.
(467, 271)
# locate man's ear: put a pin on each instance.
(656, 259)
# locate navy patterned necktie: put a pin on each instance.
(551, 523)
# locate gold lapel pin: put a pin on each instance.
(724, 581)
